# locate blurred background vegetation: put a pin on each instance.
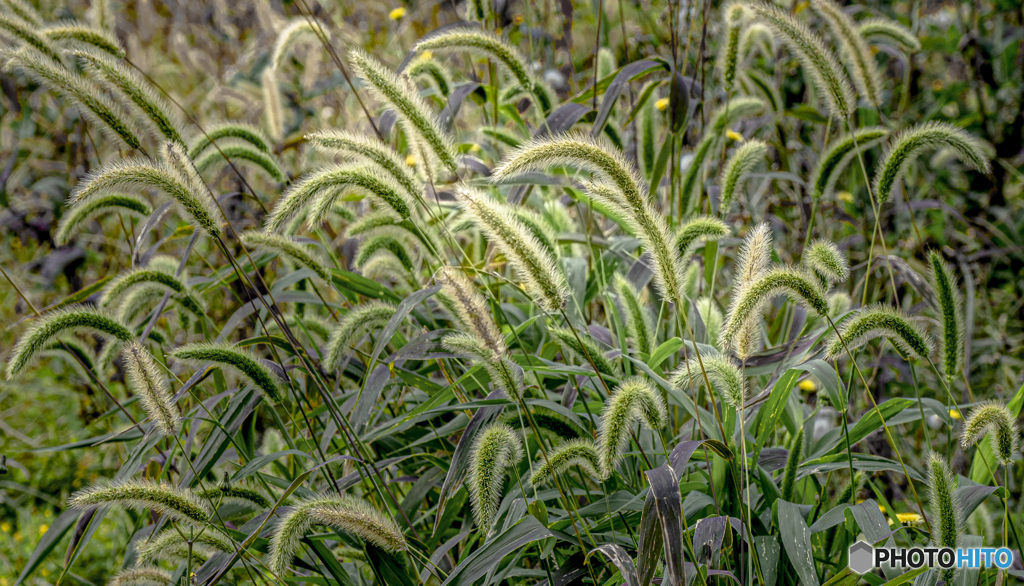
(209, 56)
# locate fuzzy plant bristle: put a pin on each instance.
(752, 297)
(141, 576)
(25, 33)
(273, 114)
(236, 494)
(479, 42)
(127, 281)
(585, 349)
(906, 145)
(607, 164)
(815, 57)
(741, 163)
(416, 120)
(229, 130)
(24, 11)
(45, 329)
(359, 321)
(130, 174)
(296, 30)
(564, 458)
(241, 152)
(838, 155)
(495, 450)
(471, 308)
(639, 322)
(349, 144)
(946, 509)
(827, 262)
(236, 358)
(634, 400)
(177, 503)
(149, 384)
(735, 14)
(172, 546)
(725, 377)
(853, 49)
(888, 30)
(316, 193)
(121, 79)
(876, 321)
(796, 451)
(946, 287)
(433, 70)
(75, 219)
(504, 373)
(344, 513)
(77, 33)
(994, 418)
(540, 275)
(92, 102)
(306, 256)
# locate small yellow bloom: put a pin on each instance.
(845, 196)
(955, 415)
(475, 148)
(397, 14)
(17, 536)
(43, 528)
(909, 518)
(734, 136)
(5, 527)
(518, 19)
(937, 85)
(44, 572)
(426, 55)
(801, 7)
(807, 385)
(411, 160)
(661, 104)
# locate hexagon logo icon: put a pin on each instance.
(861, 557)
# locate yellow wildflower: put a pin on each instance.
(734, 136)
(518, 19)
(909, 518)
(426, 55)
(845, 196)
(955, 415)
(807, 385)
(411, 160)
(5, 527)
(44, 572)
(661, 104)
(397, 14)
(43, 528)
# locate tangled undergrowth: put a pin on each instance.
(506, 310)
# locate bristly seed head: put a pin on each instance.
(496, 449)
(994, 418)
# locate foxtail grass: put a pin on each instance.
(881, 321)
(909, 143)
(634, 400)
(148, 383)
(237, 359)
(994, 418)
(345, 513)
(177, 503)
(495, 450)
(48, 327)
